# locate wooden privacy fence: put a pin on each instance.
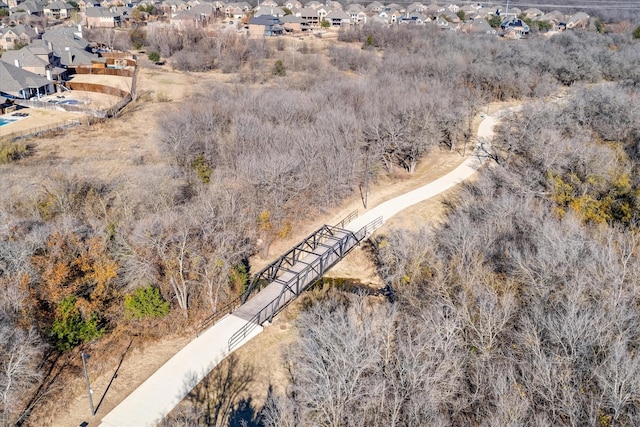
(97, 88)
(121, 72)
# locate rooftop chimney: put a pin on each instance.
(16, 62)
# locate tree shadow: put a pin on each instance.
(221, 398)
(245, 414)
(115, 375)
(47, 385)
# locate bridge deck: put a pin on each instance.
(250, 309)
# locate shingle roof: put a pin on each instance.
(24, 56)
(14, 79)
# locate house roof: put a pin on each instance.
(21, 30)
(478, 26)
(58, 5)
(203, 9)
(71, 56)
(265, 20)
(185, 15)
(292, 19)
(338, 14)
(268, 10)
(355, 7)
(25, 57)
(99, 12)
(306, 12)
(31, 6)
(14, 79)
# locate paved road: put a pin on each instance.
(157, 396)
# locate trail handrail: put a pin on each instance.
(218, 314)
(347, 219)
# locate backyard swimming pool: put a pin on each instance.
(65, 102)
(4, 121)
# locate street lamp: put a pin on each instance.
(84, 357)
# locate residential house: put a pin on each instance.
(554, 17)
(204, 11)
(374, 7)
(171, 7)
(65, 36)
(84, 4)
(99, 17)
(338, 18)
(414, 18)
(8, 38)
(37, 59)
(433, 9)
(22, 84)
(578, 20)
(314, 4)
(125, 13)
(184, 19)
(357, 14)
(416, 7)
(294, 24)
(335, 5)
(72, 57)
(309, 15)
(397, 7)
(291, 5)
(265, 26)
(269, 10)
(269, 3)
(532, 13)
(32, 7)
(478, 27)
(518, 27)
(17, 35)
(453, 8)
(390, 16)
(57, 10)
(237, 10)
(442, 23)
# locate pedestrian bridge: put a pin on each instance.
(287, 277)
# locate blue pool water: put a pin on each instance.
(6, 121)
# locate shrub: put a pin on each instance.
(70, 328)
(154, 56)
(202, 168)
(145, 302)
(636, 33)
(10, 152)
(278, 69)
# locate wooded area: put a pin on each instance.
(521, 308)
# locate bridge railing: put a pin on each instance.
(228, 308)
(277, 267)
(304, 279)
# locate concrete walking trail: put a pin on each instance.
(160, 393)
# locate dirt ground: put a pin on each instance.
(126, 147)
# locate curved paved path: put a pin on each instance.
(391, 207)
(158, 395)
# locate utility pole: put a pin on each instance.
(84, 357)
